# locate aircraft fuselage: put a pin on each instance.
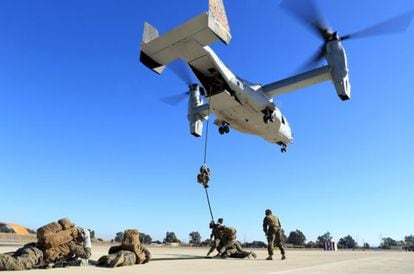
(241, 104)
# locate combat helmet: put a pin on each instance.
(268, 212)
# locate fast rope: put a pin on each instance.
(204, 176)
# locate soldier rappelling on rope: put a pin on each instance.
(204, 176)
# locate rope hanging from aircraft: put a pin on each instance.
(204, 176)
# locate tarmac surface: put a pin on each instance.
(192, 260)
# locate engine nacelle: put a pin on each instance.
(336, 57)
(194, 118)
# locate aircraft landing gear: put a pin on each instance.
(224, 128)
(283, 148)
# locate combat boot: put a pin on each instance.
(283, 257)
(269, 258)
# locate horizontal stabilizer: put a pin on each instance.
(187, 40)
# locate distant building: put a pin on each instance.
(330, 246)
(172, 244)
(13, 228)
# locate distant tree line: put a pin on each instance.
(407, 244)
(296, 239)
(170, 237)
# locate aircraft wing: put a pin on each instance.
(300, 81)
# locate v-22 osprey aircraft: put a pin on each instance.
(237, 103)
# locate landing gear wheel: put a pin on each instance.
(283, 149)
(226, 129)
(221, 130)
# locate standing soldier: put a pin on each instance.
(272, 229)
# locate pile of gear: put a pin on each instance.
(63, 242)
(130, 252)
(59, 244)
(224, 240)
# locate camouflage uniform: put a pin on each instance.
(271, 227)
(25, 258)
(76, 253)
(130, 252)
(59, 244)
(120, 258)
(229, 240)
(234, 252)
(229, 246)
(216, 236)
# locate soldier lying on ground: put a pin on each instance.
(59, 244)
(130, 252)
(235, 251)
(226, 243)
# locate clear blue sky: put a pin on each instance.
(84, 135)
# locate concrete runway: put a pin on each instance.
(192, 261)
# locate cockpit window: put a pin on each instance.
(283, 120)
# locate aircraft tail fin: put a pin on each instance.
(185, 41)
(218, 21)
(150, 33)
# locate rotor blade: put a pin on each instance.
(394, 25)
(175, 99)
(182, 70)
(307, 12)
(314, 60)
